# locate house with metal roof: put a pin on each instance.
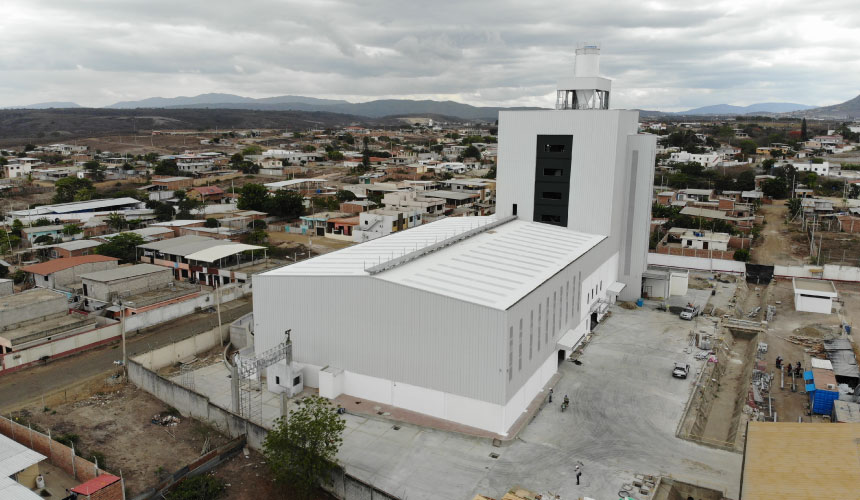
(65, 274)
(202, 259)
(75, 211)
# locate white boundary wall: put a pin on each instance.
(827, 272)
(60, 347)
(698, 263)
(170, 312)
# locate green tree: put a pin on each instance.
(471, 152)
(748, 147)
(794, 206)
(253, 149)
(72, 229)
(257, 237)
(345, 195)
(248, 167)
(746, 181)
(4, 271)
(202, 487)
(491, 173)
(17, 226)
(95, 169)
(804, 134)
(307, 148)
(166, 167)
(775, 188)
(186, 204)
(211, 222)
(43, 240)
(41, 221)
(236, 159)
(163, 211)
(70, 189)
(253, 197)
(285, 203)
(334, 155)
(301, 450)
(116, 221)
(742, 255)
(122, 246)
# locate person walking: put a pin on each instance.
(578, 470)
(550, 394)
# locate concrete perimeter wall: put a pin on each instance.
(59, 346)
(170, 312)
(170, 354)
(60, 456)
(193, 404)
(826, 272)
(697, 263)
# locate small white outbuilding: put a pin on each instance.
(813, 295)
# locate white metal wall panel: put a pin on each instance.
(385, 330)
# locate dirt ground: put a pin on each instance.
(318, 244)
(778, 244)
(117, 424)
(249, 479)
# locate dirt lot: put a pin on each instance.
(319, 244)
(117, 424)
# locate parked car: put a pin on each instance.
(689, 313)
(681, 370)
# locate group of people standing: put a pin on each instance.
(797, 369)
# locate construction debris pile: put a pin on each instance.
(165, 420)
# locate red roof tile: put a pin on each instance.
(208, 190)
(95, 484)
(55, 265)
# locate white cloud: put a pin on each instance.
(670, 54)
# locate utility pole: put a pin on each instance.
(218, 307)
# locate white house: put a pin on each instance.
(822, 169)
(707, 160)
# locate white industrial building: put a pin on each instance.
(813, 295)
(466, 319)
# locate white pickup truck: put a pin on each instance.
(689, 313)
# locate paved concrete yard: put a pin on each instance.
(622, 420)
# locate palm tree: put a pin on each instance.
(116, 221)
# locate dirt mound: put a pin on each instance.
(628, 305)
(817, 331)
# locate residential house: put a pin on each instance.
(356, 206)
(31, 234)
(202, 259)
(707, 160)
(414, 200)
(76, 248)
(65, 274)
(384, 221)
(212, 194)
(173, 183)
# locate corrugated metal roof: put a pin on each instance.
(219, 252)
(125, 272)
(55, 265)
(291, 182)
(95, 484)
(495, 268)
(78, 244)
(171, 243)
(80, 206)
(11, 490)
(15, 457)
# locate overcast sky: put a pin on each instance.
(666, 55)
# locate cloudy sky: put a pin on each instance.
(668, 55)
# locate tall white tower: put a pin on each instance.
(582, 166)
(587, 89)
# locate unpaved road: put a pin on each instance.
(775, 247)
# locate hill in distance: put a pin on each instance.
(849, 108)
(762, 107)
(372, 109)
(47, 105)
